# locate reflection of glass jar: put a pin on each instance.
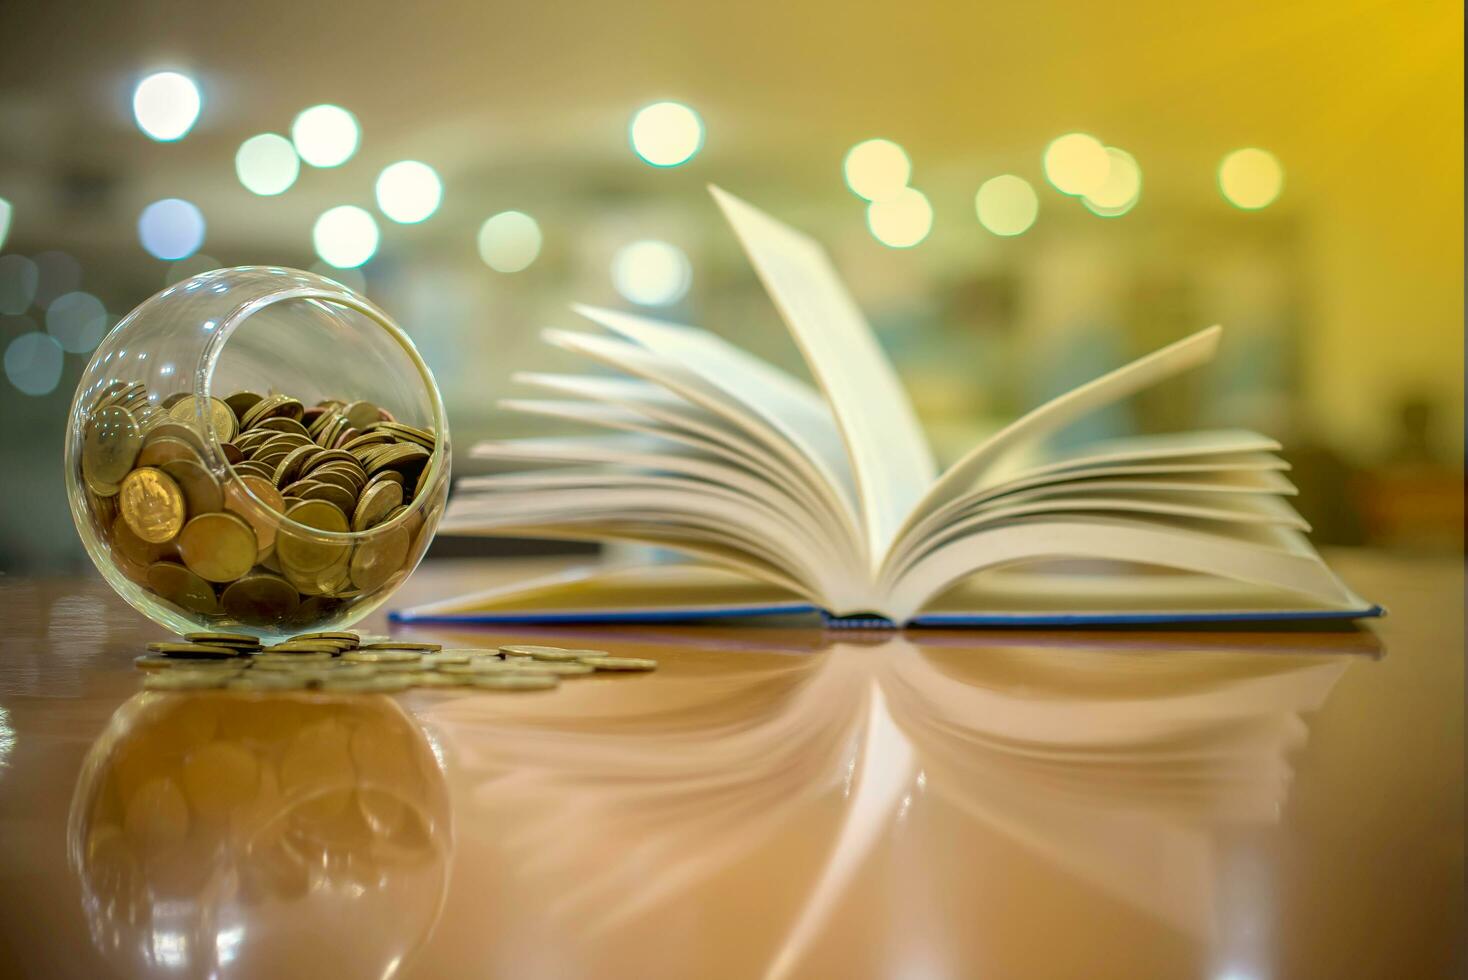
(256, 449)
(225, 834)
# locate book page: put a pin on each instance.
(889, 453)
(1060, 412)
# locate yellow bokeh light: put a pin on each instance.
(1076, 163)
(666, 134)
(1007, 205)
(1122, 188)
(876, 169)
(1250, 178)
(166, 105)
(345, 237)
(326, 135)
(267, 164)
(409, 192)
(901, 220)
(509, 241)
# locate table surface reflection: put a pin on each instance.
(773, 802)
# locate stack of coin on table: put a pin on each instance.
(197, 541)
(344, 660)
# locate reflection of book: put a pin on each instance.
(1126, 774)
(830, 499)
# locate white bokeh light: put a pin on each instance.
(325, 135)
(509, 241)
(166, 105)
(267, 164)
(1007, 205)
(77, 320)
(876, 168)
(901, 220)
(408, 191)
(33, 363)
(666, 134)
(651, 273)
(345, 237)
(171, 229)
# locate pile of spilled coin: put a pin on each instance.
(212, 533)
(343, 660)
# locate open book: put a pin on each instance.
(792, 498)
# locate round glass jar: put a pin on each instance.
(256, 450)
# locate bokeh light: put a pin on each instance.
(1007, 205)
(1122, 188)
(171, 229)
(509, 241)
(1076, 163)
(78, 321)
(901, 220)
(876, 169)
(1250, 178)
(345, 237)
(6, 210)
(58, 273)
(666, 134)
(651, 273)
(325, 135)
(190, 267)
(408, 191)
(166, 105)
(33, 363)
(267, 164)
(19, 277)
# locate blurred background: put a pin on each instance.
(1021, 196)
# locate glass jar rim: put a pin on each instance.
(342, 297)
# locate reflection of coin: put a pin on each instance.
(303, 554)
(219, 547)
(517, 681)
(152, 504)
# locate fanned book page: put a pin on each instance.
(790, 499)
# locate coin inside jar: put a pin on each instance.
(110, 443)
(218, 547)
(152, 504)
(235, 500)
(261, 599)
(200, 489)
(307, 554)
(182, 587)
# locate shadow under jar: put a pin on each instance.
(256, 449)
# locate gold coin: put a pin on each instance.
(353, 638)
(361, 656)
(621, 663)
(559, 668)
(402, 645)
(186, 680)
(518, 681)
(200, 489)
(182, 587)
(261, 599)
(377, 502)
(126, 543)
(432, 679)
(377, 558)
(110, 443)
(199, 651)
(228, 639)
(241, 402)
(189, 411)
(345, 500)
(361, 414)
(218, 547)
(158, 661)
(548, 653)
(236, 501)
(157, 452)
(450, 657)
(305, 554)
(152, 504)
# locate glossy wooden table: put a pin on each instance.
(771, 803)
